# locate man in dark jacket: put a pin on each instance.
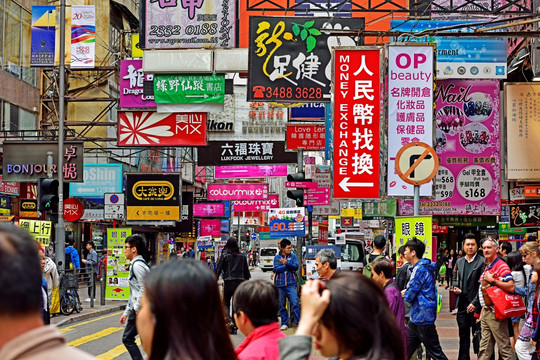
(285, 267)
(465, 285)
(72, 255)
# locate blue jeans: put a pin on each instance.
(291, 293)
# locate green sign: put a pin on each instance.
(117, 265)
(504, 228)
(464, 220)
(382, 209)
(187, 89)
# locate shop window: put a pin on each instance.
(12, 45)
(28, 74)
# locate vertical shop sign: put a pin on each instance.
(132, 81)
(420, 227)
(117, 265)
(43, 35)
(410, 107)
(83, 36)
(357, 78)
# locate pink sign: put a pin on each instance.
(257, 205)
(237, 191)
(131, 85)
(210, 227)
(208, 210)
(301, 184)
(230, 172)
(318, 196)
(13, 188)
(468, 144)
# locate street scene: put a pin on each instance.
(264, 180)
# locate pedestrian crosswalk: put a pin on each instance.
(116, 351)
(94, 336)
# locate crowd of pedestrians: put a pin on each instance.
(345, 315)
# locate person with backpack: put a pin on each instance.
(134, 248)
(379, 245)
(72, 255)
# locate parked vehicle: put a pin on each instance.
(352, 253)
(266, 258)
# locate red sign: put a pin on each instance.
(436, 229)
(73, 209)
(11, 188)
(532, 191)
(357, 79)
(347, 221)
(323, 234)
(210, 227)
(307, 137)
(143, 128)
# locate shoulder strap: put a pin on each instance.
(133, 264)
(378, 257)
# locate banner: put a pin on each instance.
(420, 227)
(287, 222)
(357, 79)
(132, 81)
(468, 144)
(43, 35)
(209, 210)
(83, 36)
(410, 108)
(40, 230)
(117, 265)
(185, 24)
(290, 58)
(523, 131)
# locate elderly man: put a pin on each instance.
(496, 273)
(326, 263)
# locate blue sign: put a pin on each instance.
(227, 208)
(285, 228)
(98, 180)
(308, 111)
(460, 57)
(253, 236)
(225, 225)
(328, 131)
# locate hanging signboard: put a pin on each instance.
(230, 172)
(153, 197)
(98, 180)
(524, 215)
(468, 145)
(210, 227)
(410, 107)
(379, 209)
(10, 188)
(43, 35)
(237, 191)
(311, 111)
(245, 153)
(117, 265)
(168, 24)
(188, 89)
(132, 81)
(420, 227)
(40, 230)
(208, 210)
(523, 111)
(289, 57)
(287, 222)
(28, 208)
(357, 79)
(257, 205)
(137, 128)
(83, 36)
(327, 210)
(306, 137)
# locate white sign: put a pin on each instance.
(309, 170)
(93, 214)
(114, 212)
(323, 179)
(340, 239)
(410, 108)
(83, 36)
(517, 193)
(114, 199)
(332, 209)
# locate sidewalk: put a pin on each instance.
(447, 328)
(89, 312)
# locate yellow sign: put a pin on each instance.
(153, 190)
(40, 230)
(350, 212)
(136, 51)
(5, 211)
(420, 227)
(153, 213)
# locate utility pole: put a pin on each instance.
(60, 229)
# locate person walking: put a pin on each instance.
(326, 263)
(50, 273)
(515, 263)
(72, 255)
(496, 273)
(92, 269)
(379, 245)
(422, 296)
(134, 249)
(450, 268)
(465, 284)
(234, 269)
(285, 267)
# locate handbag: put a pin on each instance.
(55, 301)
(506, 305)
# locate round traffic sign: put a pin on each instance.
(114, 198)
(417, 163)
(253, 236)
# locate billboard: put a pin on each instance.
(420, 227)
(153, 196)
(237, 191)
(287, 222)
(117, 264)
(305, 136)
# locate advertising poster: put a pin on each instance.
(356, 120)
(83, 36)
(290, 58)
(117, 265)
(468, 144)
(210, 227)
(132, 81)
(523, 111)
(40, 230)
(420, 227)
(168, 24)
(43, 35)
(410, 108)
(287, 222)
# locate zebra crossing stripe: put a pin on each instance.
(85, 339)
(72, 327)
(116, 351)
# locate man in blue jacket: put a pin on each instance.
(72, 255)
(285, 267)
(421, 294)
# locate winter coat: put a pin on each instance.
(50, 273)
(233, 266)
(261, 344)
(421, 293)
(397, 306)
(73, 256)
(285, 274)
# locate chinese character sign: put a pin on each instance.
(176, 24)
(468, 144)
(420, 227)
(117, 265)
(83, 36)
(307, 137)
(131, 85)
(357, 77)
(410, 108)
(43, 33)
(287, 222)
(40, 230)
(182, 89)
(290, 57)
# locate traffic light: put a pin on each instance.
(297, 195)
(48, 195)
(300, 176)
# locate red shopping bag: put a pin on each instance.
(506, 305)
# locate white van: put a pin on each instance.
(266, 258)
(352, 253)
